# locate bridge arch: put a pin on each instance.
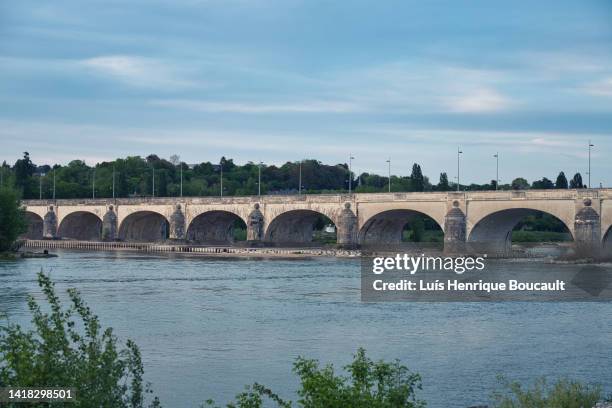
(297, 226)
(493, 231)
(80, 225)
(386, 227)
(144, 226)
(216, 227)
(35, 226)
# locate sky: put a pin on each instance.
(278, 81)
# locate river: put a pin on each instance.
(208, 326)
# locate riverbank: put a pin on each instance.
(221, 251)
(551, 251)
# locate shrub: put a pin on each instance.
(55, 354)
(562, 394)
(369, 384)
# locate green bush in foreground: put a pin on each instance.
(562, 394)
(369, 384)
(55, 354)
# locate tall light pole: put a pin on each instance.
(259, 179)
(590, 145)
(351, 158)
(54, 184)
(221, 167)
(93, 183)
(300, 179)
(113, 181)
(389, 162)
(40, 176)
(496, 155)
(459, 152)
(181, 164)
(153, 180)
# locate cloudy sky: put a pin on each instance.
(283, 80)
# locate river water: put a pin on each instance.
(208, 326)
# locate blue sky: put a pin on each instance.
(284, 80)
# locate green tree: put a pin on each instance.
(417, 229)
(576, 181)
(57, 354)
(369, 384)
(520, 183)
(24, 170)
(443, 183)
(544, 184)
(561, 181)
(418, 182)
(12, 218)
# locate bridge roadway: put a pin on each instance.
(476, 217)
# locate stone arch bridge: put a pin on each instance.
(479, 217)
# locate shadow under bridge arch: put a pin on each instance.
(35, 226)
(494, 232)
(144, 226)
(400, 227)
(217, 227)
(80, 225)
(303, 227)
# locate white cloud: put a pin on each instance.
(600, 88)
(479, 101)
(258, 108)
(138, 71)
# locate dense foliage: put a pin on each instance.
(369, 384)
(137, 176)
(562, 394)
(57, 354)
(12, 219)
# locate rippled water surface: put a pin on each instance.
(207, 327)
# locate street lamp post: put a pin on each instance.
(153, 181)
(181, 164)
(590, 145)
(350, 173)
(221, 168)
(40, 176)
(259, 179)
(300, 179)
(113, 181)
(389, 168)
(93, 184)
(54, 184)
(496, 155)
(459, 152)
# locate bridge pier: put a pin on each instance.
(177, 224)
(255, 227)
(587, 230)
(455, 227)
(50, 224)
(346, 228)
(109, 225)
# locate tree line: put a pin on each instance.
(135, 176)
